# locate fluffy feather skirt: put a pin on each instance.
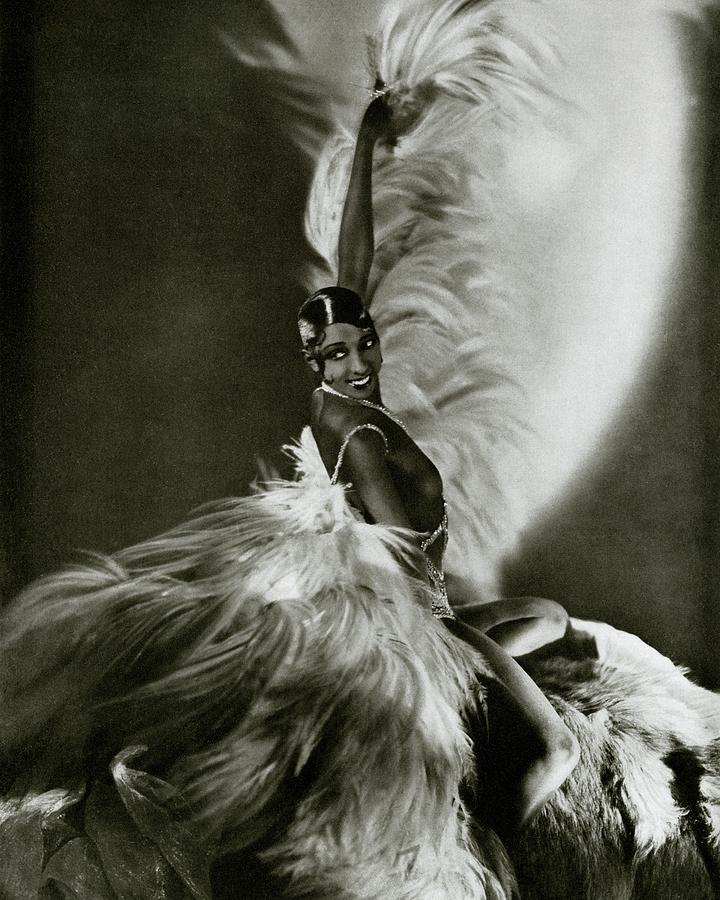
(267, 677)
(284, 676)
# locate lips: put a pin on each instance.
(360, 383)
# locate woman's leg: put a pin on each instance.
(518, 624)
(549, 751)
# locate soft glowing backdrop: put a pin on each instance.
(153, 279)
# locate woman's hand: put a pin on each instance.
(376, 121)
(395, 113)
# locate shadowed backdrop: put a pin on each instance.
(153, 237)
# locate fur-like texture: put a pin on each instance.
(638, 815)
(272, 655)
(281, 672)
(285, 675)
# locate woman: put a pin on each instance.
(261, 683)
(267, 681)
(390, 481)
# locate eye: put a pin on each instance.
(368, 342)
(336, 354)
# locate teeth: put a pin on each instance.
(360, 382)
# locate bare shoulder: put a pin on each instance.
(334, 421)
(331, 420)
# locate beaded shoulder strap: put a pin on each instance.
(346, 441)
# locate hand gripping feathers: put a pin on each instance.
(270, 663)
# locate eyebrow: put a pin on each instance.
(366, 333)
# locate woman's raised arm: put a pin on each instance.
(356, 246)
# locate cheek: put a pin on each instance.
(334, 368)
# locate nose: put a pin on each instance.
(357, 363)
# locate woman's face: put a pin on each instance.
(351, 360)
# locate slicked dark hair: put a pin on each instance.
(326, 307)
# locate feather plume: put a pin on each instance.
(455, 72)
(284, 674)
(323, 210)
(475, 51)
(470, 85)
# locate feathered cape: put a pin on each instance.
(283, 674)
(266, 679)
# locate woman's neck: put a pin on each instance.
(375, 398)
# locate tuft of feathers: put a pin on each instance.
(457, 76)
(637, 818)
(476, 51)
(286, 677)
(469, 82)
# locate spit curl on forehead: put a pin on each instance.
(329, 306)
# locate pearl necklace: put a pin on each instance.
(378, 406)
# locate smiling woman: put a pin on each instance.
(284, 678)
(351, 360)
(393, 483)
(340, 342)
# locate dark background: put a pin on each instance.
(152, 208)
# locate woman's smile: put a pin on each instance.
(351, 360)
(360, 383)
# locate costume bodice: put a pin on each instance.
(424, 478)
(428, 483)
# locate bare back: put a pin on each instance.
(414, 477)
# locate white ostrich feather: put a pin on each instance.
(481, 88)
(272, 644)
(475, 51)
(451, 69)
(323, 210)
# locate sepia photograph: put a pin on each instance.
(360, 522)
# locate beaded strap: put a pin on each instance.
(370, 405)
(346, 441)
(440, 607)
(442, 529)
